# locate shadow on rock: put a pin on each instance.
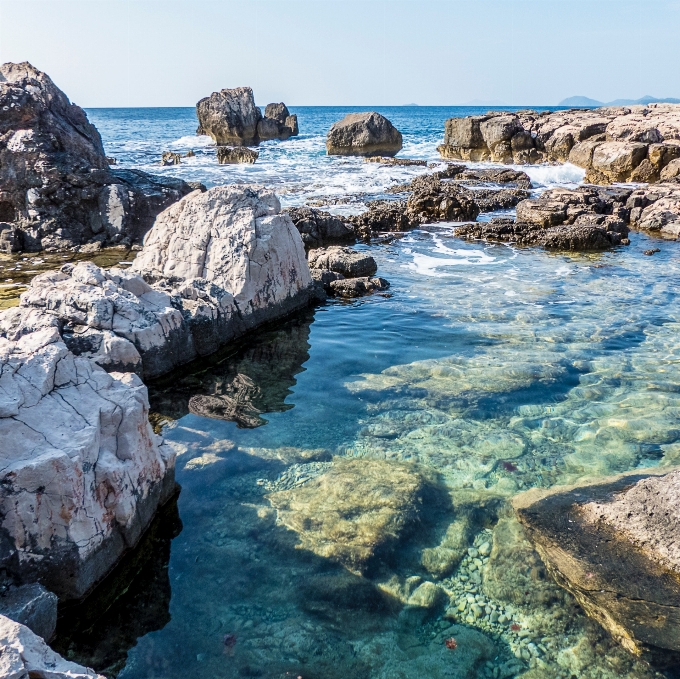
(238, 385)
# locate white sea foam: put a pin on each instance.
(547, 176)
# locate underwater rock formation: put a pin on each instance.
(614, 144)
(363, 134)
(25, 654)
(58, 189)
(356, 511)
(613, 545)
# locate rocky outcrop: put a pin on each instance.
(25, 654)
(357, 287)
(614, 546)
(587, 218)
(82, 472)
(57, 188)
(363, 134)
(656, 208)
(277, 123)
(345, 261)
(227, 155)
(170, 158)
(319, 228)
(231, 118)
(614, 144)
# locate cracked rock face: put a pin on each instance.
(614, 144)
(614, 545)
(57, 188)
(25, 654)
(82, 471)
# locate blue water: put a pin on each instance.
(495, 368)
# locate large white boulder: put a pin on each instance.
(25, 654)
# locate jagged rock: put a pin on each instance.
(656, 208)
(671, 170)
(319, 228)
(383, 216)
(236, 154)
(25, 654)
(363, 134)
(345, 261)
(83, 472)
(277, 123)
(614, 546)
(170, 158)
(230, 117)
(440, 201)
(58, 189)
(356, 287)
(611, 142)
(31, 605)
(355, 513)
(325, 277)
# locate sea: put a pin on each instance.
(484, 371)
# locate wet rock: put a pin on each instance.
(613, 545)
(363, 134)
(656, 208)
(227, 155)
(31, 605)
(58, 189)
(25, 654)
(230, 117)
(439, 201)
(325, 277)
(613, 143)
(345, 261)
(319, 228)
(170, 158)
(277, 123)
(383, 216)
(356, 287)
(445, 557)
(355, 513)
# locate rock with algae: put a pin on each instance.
(356, 512)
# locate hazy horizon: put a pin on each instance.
(161, 53)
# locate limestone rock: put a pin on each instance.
(227, 155)
(383, 216)
(355, 513)
(671, 170)
(363, 134)
(614, 546)
(656, 208)
(31, 605)
(356, 287)
(345, 261)
(277, 123)
(230, 117)
(318, 228)
(25, 654)
(58, 189)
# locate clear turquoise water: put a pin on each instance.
(495, 368)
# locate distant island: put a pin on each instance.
(586, 101)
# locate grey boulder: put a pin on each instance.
(363, 134)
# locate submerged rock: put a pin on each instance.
(363, 134)
(58, 189)
(227, 155)
(614, 144)
(355, 513)
(614, 546)
(25, 654)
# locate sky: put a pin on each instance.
(106, 53)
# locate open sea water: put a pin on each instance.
(488, 368)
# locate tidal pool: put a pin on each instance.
(346, 474)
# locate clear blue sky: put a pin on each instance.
(348, 52)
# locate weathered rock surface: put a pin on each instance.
(57, 188)
(170, 158)
(614, 546)
(345, 261)
(227, 155)
(363, 134)
(31, 605)
(319, 228)
(587, 218)
(356, 287)
(25, 655)
(656, 208)
(355, 513)
(614, 144)
(231, 118)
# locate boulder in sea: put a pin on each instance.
(363, 134)
(319, 228)
(228, 155)
(614, 545)
(356, 287)
(348, 262)
(57, 188)
(170, 158)
(356, 512)
(277, 123)
(230, 117)
(25, 654)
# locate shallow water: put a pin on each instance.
(486, 369)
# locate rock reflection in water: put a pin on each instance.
(238, 386)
